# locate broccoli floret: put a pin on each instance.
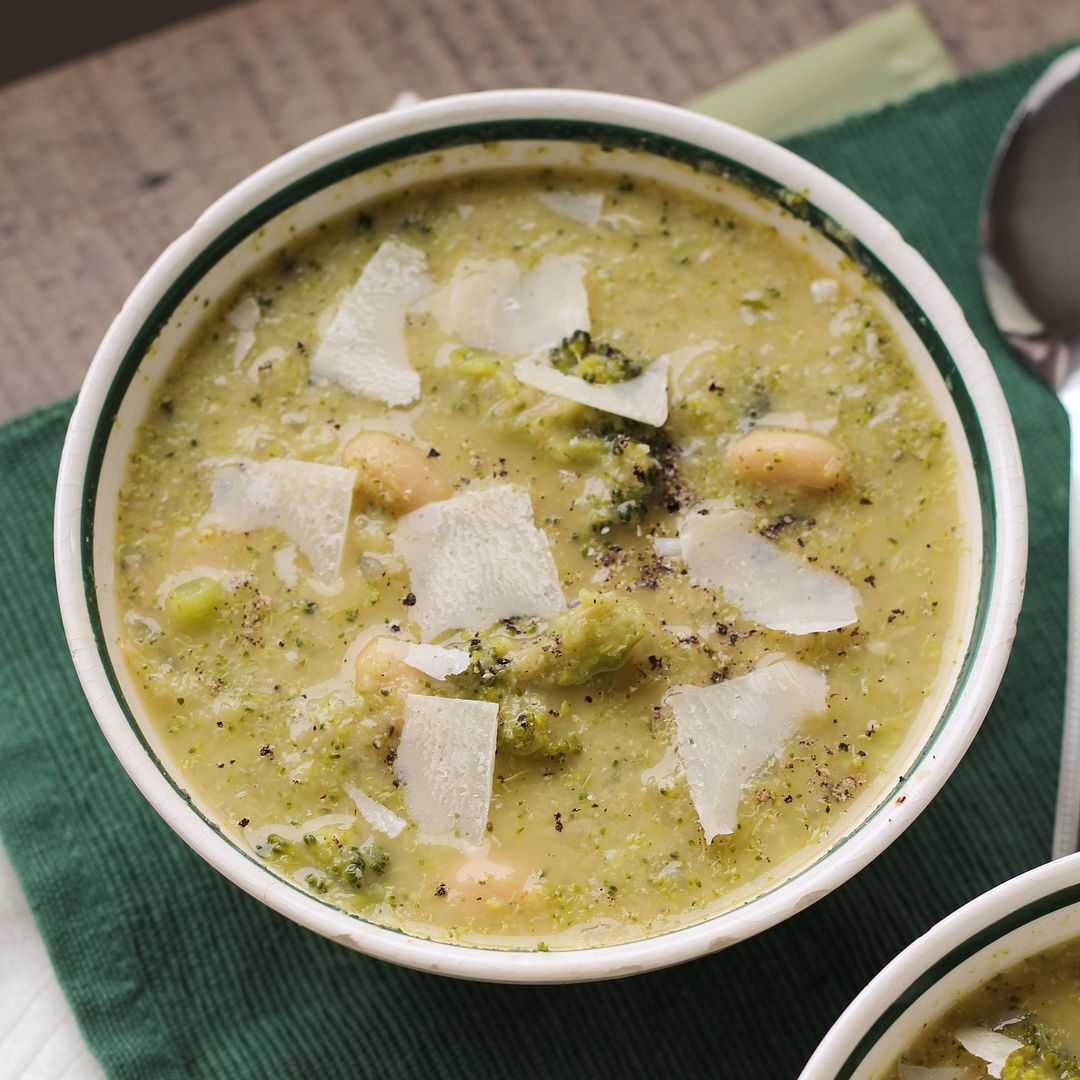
(331, 861)
(528, 726)
(628, 474)
(592, 361)
(1028, 1063)
(1041, 1058)
(589, 639)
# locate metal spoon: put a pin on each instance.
(1030, 262)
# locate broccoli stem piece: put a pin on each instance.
(1042, 1056)
(591, 638)
(526, 727)
(592, 361)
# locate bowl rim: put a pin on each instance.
(1016, 904)
(972, 696)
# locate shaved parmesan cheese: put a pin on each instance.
(363, 348)
(143, 625)
(478, 558)
(285, 565)
(681, 360)
(244, 317)
(846, 321)
(491, 304)
(265, 361)
(433, 660)
(310, 503)
(667, 547)
(665, 772)
(892, 405)
(722, 549)
(374, 813)
(824, 290)
(479, 870)
(445, 760)
(991, 1046)
(643, 398)
(245, 341)
(727, 732)
(585, 208)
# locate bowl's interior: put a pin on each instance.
(1020, 919)
(334, 189)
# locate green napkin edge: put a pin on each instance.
(882, 59)
(102, 1030)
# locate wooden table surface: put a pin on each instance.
(105, 160)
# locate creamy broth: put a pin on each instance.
(1022, 1025)
(266, 683)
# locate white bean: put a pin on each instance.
(782, 457)
(393, 473)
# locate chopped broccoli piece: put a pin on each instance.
(330, 860)
(526, 726)
(629, 473)
(592, 361)
(1041, 1058)
(589, 639)
(194, 604)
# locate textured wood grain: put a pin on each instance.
(105, 160)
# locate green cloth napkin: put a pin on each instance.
(876, 61)
(173, 972)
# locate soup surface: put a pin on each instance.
(539, 559)
(1022, 1025)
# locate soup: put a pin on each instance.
(1024, 1024)
(541, 559)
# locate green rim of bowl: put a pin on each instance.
(604, 136)
(969, 947)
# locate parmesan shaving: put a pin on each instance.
(445, 760)
(310, 503)
(643, 398)
(727, 732)
(363, 348)
(680, 362)
(244, 317)
(432, 660)
(265, 361)
(477, 558)
(722, 549)
(491, 304)
(374, 813)
(991, 1046)
(667, 547)
(285, 565)
(585, 208)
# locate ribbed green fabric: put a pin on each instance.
(173, 972)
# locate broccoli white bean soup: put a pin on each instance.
(539, 559)
(1024, 1024)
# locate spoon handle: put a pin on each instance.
(1067, 817)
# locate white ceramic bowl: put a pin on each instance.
(1022, 917)
(327, 176)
